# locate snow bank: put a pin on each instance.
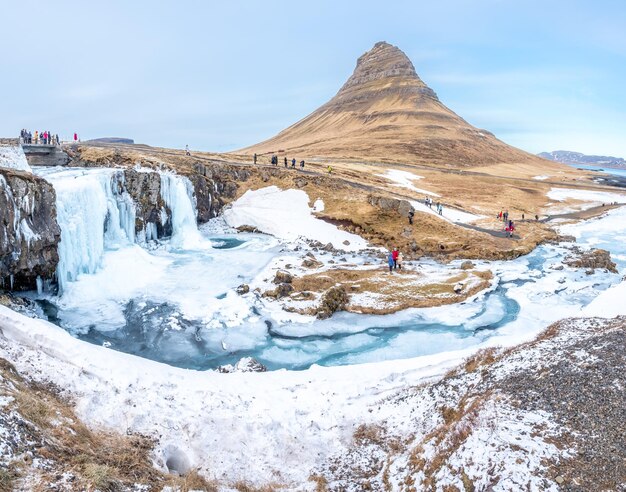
(562, 194)
(13, 157)
(608, 304)
(540, 178)
(449, 214)
(404, 179)
(286, 215)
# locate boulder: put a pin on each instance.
(243, 289)
(467, 265)
(282, 277)
(334, 299)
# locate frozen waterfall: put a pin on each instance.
(96, 213)
(177, 193)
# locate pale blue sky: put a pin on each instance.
(541, 75)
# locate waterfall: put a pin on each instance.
(177, 193)
(94, 213)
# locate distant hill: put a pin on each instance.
(386, 113)
(568, 157)
(112, 140)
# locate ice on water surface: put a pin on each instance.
(176, 302)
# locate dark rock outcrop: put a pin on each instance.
(145, 190)
(334, 299)
(29, 232)
(592, 259)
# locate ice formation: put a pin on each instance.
(13, 157)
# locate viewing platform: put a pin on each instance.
(45, 155)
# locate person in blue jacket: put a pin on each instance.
(391, 261)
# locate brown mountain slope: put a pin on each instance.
(384, 112)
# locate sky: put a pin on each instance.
(542, 75)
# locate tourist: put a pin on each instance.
(522, 216)
(286, 165)
(536, 217)
(187, 150)
(399, 260)
(75, 137)
(293, 163)
(390, 261)
(254, 158)
(440, 209)
(411, 215)
(330, 169)
(302, 165)
(394, 255)
(36, 137)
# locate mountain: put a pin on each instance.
(385, 112)
(112, 140)
(576, 158)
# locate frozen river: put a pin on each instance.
(174, 301)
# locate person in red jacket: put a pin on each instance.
(394, 255)
(75, 137)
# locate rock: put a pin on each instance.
(346, 243)
(458, 288)
(559, 480)
(592, 259)
(311, 263)
(243, 289)
(27, 203)
(283, 290)
(406, 232)
(300, 182)
(467, 265)
(282, 277)
(145, 190)
(329, 247)
(247, 228)
(334, 299)
(245, 364)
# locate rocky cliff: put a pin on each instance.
(29, 232)
(385, 112)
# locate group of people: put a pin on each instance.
(509, 226)
(429, 203)
(394, 260)
(274, 161)
(38, 138)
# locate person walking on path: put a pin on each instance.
(390, 261)
(302, 165)
(254, 157)
(75, 137)
(293, 163)
(411, 215)
(394, 255)
(330, 169)
(187, 150)
(399, 260)
(441, 209)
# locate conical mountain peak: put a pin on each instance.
(384, 112)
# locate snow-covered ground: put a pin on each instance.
(404, 179)
(286, 214)
(589, 198)
(13, 157)
(449, 214)
(274, 426)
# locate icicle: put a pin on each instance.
(39, 283)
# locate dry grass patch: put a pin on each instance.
(385, 293)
